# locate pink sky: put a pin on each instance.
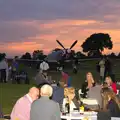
(27, 29)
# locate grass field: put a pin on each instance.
(9, 93)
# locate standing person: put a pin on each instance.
(7, 70)
(102, 69)
(108, 67)
(74, 67)
(44, 66)
(44, 108)
(3, 70)
(14, 69)
(65, 77)
(21, 110)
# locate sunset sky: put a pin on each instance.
(28, 25)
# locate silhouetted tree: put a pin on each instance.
(38, 54)
(26, 56)
(2, 55)
(118, 55)
(112, 55)
(96, 43)
(56, 49)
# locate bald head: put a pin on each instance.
(34, 93)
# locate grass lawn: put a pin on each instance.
(9, 93)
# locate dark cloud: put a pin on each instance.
(57, 9)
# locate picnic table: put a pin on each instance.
(78, 116)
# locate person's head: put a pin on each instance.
(65, 91)
(34, 93)
(97, 82)
(105, 85)
(107, 95)
(71, 93)
(89, 78)
(108, 80)
(46, 90)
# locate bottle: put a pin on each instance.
(67, 107)
(82, 108)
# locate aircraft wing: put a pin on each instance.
(54, 56)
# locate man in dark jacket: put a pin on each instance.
(58, 93)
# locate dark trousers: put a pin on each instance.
(3, 75)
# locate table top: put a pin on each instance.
(78, 116)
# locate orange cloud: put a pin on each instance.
(64, 30)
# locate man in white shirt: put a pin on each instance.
(44, 66)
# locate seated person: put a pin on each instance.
(70, 96)
(110, 102)
(44, 108)
(58, 92)
(95, 93)
(111, 84)
(41, 78)
(88, 84)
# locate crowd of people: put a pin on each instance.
(48, 98)
(46, 101)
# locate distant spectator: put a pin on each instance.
(21, 110)
(44, 108)
(89, 82)
(111, 84)
(65, 77)
(44, 66)
(3, 70)
(108, 67)
(102, 69)
(14, 69)
(41, 78)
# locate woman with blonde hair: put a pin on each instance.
(70, 98)
(89, 82)
(110, 102)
